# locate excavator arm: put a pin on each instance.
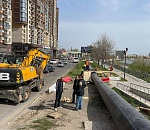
(35, 58)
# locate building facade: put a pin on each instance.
(5, 26)
(34, 25)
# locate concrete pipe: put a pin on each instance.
(124, 115)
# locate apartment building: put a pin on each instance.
(5, 26)
(33, 25)
(54, 12)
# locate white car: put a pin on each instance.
(75, 60)
(53, 61)
(60, 64)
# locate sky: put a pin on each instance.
(125, 22)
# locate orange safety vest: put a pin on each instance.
(111, 68)
(87, 63)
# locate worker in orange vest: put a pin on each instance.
(87, 65)
(111, 68)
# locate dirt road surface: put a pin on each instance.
(93, 116)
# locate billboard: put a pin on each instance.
(86, 50)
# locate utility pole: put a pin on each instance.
(125, 56)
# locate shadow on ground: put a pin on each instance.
(97, 111)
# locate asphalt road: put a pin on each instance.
(9, 110)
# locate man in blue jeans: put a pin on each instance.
(80, 92)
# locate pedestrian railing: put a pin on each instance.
(138, 92)
(139, 74)
(141, 91)
(123, 87)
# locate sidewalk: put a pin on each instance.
(93, 116)
(129, 78)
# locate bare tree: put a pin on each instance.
(102, 49)
(95, 53)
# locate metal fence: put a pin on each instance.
(139, 74)
(138, 92)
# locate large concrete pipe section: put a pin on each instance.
(124, 115)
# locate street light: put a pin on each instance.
(125, 55)
(143, 64)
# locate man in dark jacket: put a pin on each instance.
(59, 90)
(80, 92)
(74, 88)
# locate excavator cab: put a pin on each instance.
(11, 59)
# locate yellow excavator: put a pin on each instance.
(19, 75)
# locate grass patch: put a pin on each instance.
(114, 74)
(75, 70)
(39, 124)
(42, 124)
(122, 79)
(129, 99)
(99, 67)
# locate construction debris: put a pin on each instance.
(54, 115)
(85, 97)
(147, 110)
(64, 99)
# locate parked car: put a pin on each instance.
(65, 62)
(48, 68)
(75, 60)
(60, 64)
(53, 61)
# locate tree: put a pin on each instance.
(102, 49)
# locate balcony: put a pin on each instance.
(1, 7)
(6, 34)
(5, 18)
(1, 38)
(1, 16)
(32, 4)
(1, 31)
(5, 40)
(5, 5)
(1, 19)
(5, 12)
(1, 41)
(32, 27)
(32, 34)
(1, 11)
